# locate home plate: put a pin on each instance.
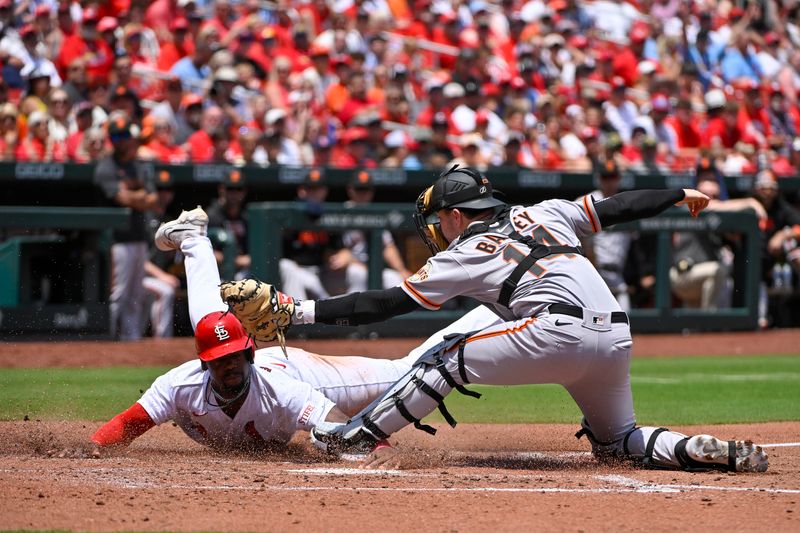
(349, 472)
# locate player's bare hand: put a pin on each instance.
(341, 259)
(383, 458)
(86, 451)
(694, 200)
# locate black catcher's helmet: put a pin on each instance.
(458, 187)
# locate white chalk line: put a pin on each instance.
(780, 445)
(715, 378)
(624, 485)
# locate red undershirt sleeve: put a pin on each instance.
(123, 428)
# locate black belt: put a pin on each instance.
(617, 317)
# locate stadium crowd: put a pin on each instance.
(607, 86)
(558, 84)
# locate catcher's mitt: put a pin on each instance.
(265, 312)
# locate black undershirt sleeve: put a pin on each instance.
(633, 205)
(364, 307)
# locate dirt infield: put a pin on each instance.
(176, 351)
(502, 478)
(473, 478)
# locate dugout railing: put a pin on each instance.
(269, 221)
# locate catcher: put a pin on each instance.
(552, 320)
(235, 397)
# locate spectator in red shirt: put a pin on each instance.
(777, 160)
(87, 45)
(160, 144)
(261, 51)
(222, 20)
(685, 126)
(753, 120)
(397, 108)
(200, 144)
(354, 152)
(357, 101)
(83, 121)
(626, 61)
(448, 32)
(721, 129)
(605, 68)
(65, 28)
(9, 133)
(38, 146)
(107, 28)
(159, 15)
(178, 47)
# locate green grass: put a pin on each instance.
(72, 393)
(687, 390)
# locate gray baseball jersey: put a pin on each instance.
(581, 344)
(477, 266)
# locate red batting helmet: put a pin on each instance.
(219, 334)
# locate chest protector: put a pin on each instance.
(501, 223)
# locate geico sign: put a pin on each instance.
(39, 171)
(211, 172)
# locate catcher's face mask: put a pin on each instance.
(426, 219)
(464, 188)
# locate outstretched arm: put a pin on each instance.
(357, 308)
(124, 428)
(119, 431)
(634, 205)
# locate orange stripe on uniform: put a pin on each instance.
(511, 331)
(417, 294)
(589, 213)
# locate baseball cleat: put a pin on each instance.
(192, 223)
(708, 449)
(335, 440)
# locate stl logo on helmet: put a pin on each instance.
(221, 333)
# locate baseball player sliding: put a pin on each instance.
(548, 317)
(235, 397)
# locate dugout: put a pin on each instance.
(54, 269)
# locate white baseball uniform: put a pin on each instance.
(285, 395)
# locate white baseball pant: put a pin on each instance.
(161, 302)
(127, 292)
